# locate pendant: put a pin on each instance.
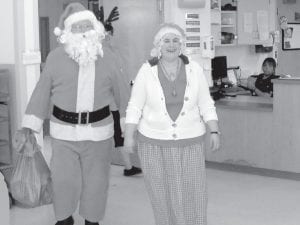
(174, 94)
(172, 77)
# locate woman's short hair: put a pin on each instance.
(270, 61)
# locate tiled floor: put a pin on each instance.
(234, 199)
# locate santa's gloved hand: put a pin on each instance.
(122, 125)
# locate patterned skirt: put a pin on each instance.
(175, 180)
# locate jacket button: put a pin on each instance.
(186, 98)
(174, 135)
(174, 125)
(183, 113)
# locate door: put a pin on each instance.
(44, 37)
(135, 30)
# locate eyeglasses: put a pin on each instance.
(77, 28)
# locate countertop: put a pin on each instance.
(243, 102)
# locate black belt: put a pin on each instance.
(82, 117)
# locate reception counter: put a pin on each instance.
(261, 132)
(246, 102)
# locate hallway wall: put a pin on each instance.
(7, 55)
(288, 61)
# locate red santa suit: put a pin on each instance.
(81, 152)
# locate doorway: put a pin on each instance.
(135, 30)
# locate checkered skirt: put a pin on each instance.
(175, 180)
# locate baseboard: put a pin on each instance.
(253, 170)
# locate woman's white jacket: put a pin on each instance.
(147, 106)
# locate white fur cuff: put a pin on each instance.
(32, 122)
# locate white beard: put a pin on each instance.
(83, 48)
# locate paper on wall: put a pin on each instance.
(248, 24)
(263, 24)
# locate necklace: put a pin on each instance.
(171, 76)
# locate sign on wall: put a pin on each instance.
(291, 37)
(192, 30)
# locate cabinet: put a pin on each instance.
(224, 22)
(242, 22)
(228, 28)
(5, 133)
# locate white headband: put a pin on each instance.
(164, 31)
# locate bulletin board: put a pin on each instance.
(291, 37)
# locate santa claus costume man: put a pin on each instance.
(78, 84)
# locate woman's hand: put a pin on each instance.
(251, 83)
(129, 144)
(214, 134)
(130, 137)
(214, 141)
(20, 137)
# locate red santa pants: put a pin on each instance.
(80, 172)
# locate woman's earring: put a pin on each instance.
(180, 52)
(159, 53)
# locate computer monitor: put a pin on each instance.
(219, 68)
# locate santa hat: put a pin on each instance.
(74, 13)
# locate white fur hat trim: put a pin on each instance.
(78, 16)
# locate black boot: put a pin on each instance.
(68, 221)
(133, 171)
(90, 223)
